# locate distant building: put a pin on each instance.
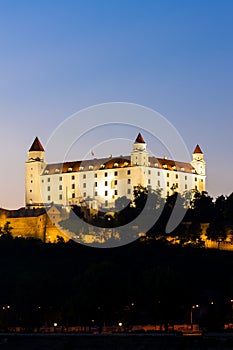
(99, 182)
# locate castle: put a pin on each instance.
(99, 182)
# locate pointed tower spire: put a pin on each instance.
(197, 150)
(36, 146)
(139, 139)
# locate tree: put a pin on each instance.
(6, 231)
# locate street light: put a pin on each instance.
(191, 312)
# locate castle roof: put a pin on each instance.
(197, 150)
(139, 139)
(114, 163)
(36, 146)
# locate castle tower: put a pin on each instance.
(198, 161)
(33, 169)
(139, 154)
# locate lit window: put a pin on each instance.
(102, 166)
(81, 168)
(126, 163)
(57, 171)
(165, 166)
(70, 169)
(90, 167)
(46, 171)
(182, 169)
(116, 165)
(156, 165)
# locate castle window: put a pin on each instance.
(195, 179)
(129, 191)
(95, 184)
(84, 194)
(177, 185)
(73, 186)
(84, 176)
(115, 192)
(185, 177)
(31, 168)
(60, 187)
(186, 187)
(42, 181)
(48, 179)
(196, 188)
(95, 175)
(106, 203)
(201, 180)
(60, 178)
(115, 173)
(60, 197)
(128, 172)
(49, 198)
(148, 181)
(167, 183)
(167, 193)
(159, 183)
(158, 173)
(72, 177)
(149, 172)
(115, 182)
(31, 175)
(31, 181)
(96, 193)
(167, 174)
(30, 190)
(48, 188)
(73, 195)
(105, 183)
(176, 176)
(84, 185)
(129, 181)
(105, 174)
(106, 193)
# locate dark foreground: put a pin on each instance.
(115, 342)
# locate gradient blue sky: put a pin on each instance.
(57, 57)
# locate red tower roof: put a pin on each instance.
(139, 139)
(36, 146)
(197, 150)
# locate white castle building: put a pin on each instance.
(101, 181)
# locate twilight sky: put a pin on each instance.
(57, 57)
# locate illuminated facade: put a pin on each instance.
(99, 182)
